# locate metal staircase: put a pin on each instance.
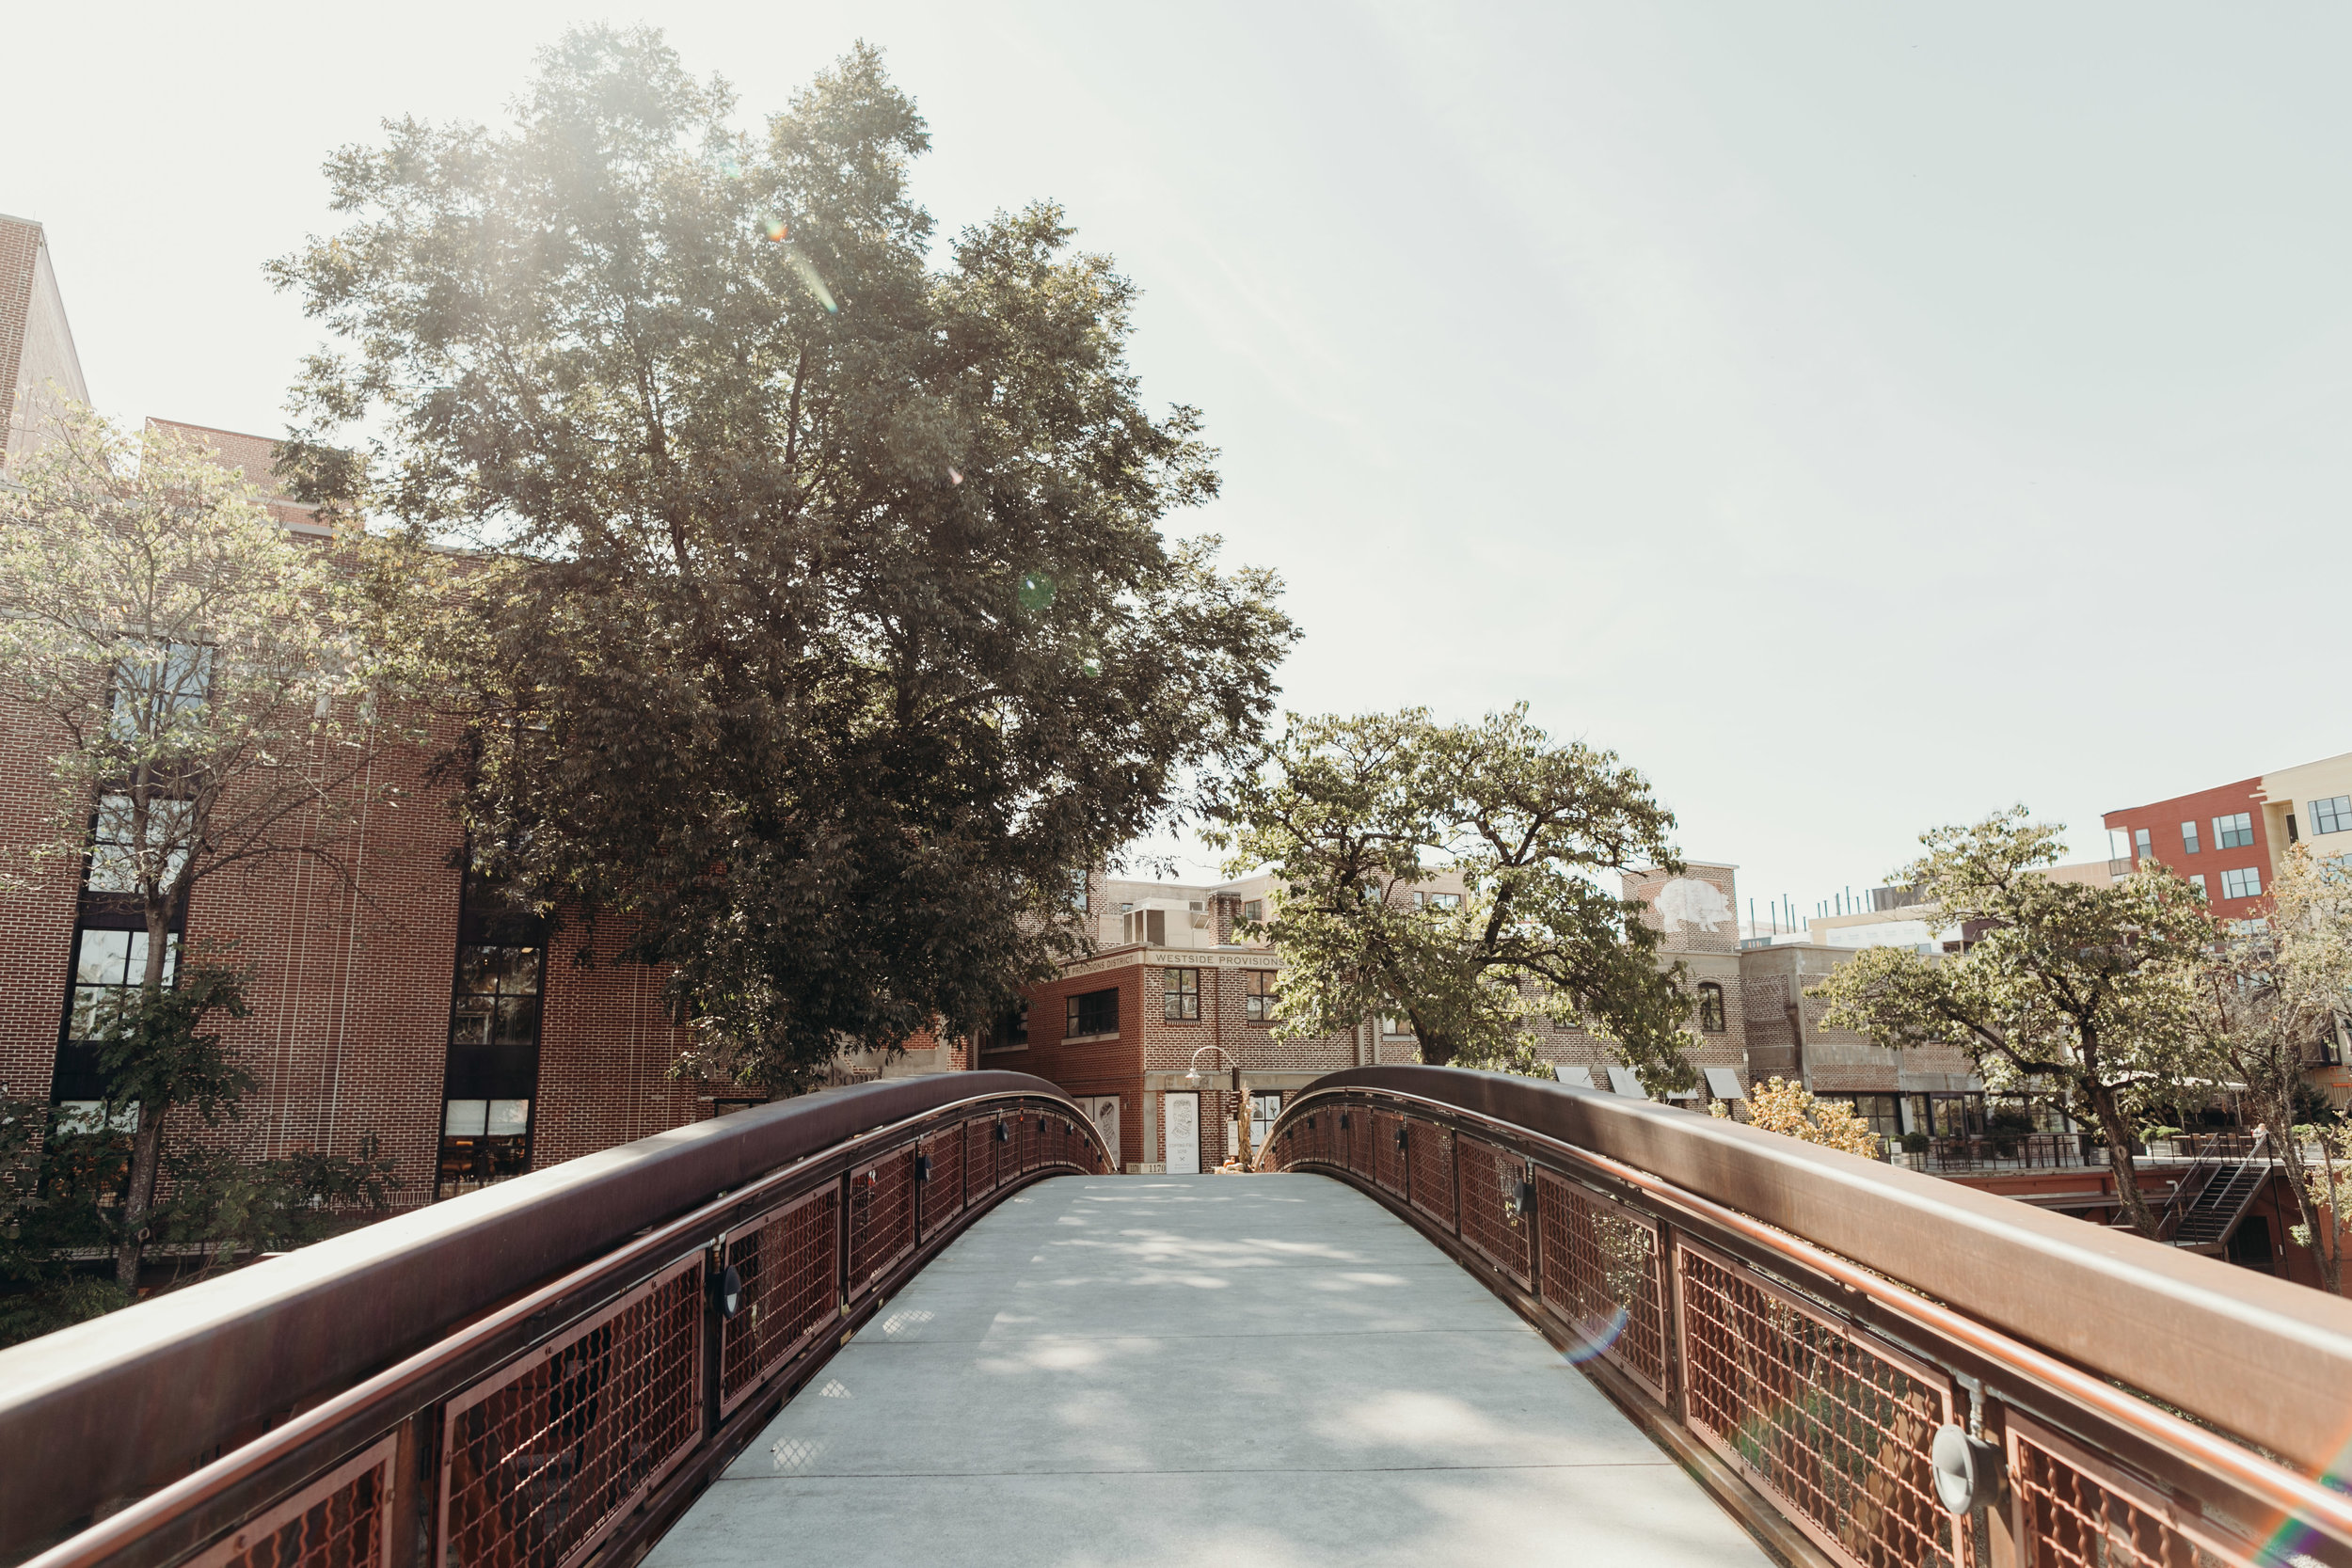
(2207, 1211)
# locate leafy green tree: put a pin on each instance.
(1353, 815)
(2269, 992)
(2075, 994)
(832, 631)
(199, 679)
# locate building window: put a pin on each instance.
(109, 967)
(1265, 1106)
(2189, 838)
(2244, 882)
(1395, 1028)
(2140, 844)
(1078, 891)
(1257, 995)
(1712, 1007)
(115, 860)
(2331, 815)
(1011, 1032)
(1445, 900)
(2198, 884)
(1184, 993)
(154, 687)
(1096, 1012)
(1882, 1111)
(493, 1071)
(1254, 910)
(2233, 833)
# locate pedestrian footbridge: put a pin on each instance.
(1455, 1317)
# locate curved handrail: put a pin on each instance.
(345, 1329)
(2010, 1291)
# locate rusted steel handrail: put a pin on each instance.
(2035, 1305)
(452, 1293)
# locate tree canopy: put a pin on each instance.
(1351, 817)
(2075, 994)
(831, 628)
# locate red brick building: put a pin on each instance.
(2229, 838)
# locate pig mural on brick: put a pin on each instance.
(1688, 901)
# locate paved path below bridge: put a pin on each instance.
(1237, 1370)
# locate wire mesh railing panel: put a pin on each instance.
(943, 1189)
(1431, 1150)
(341, 1520)
(1025, 1142)
(790, 1263)
(1387, 1151)
(1834, 1427)
(1491, 1221)
(2071, 1510)
(1601, 1271)
(881, 1216)
(979, 1158)
(542, 1459)
(1357, 1129)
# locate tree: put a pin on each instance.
(196, 671)
(841, 633)
(2080, 994)
(1354, 815)
(1789, 1109)
(2270, 991)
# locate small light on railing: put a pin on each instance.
(1342, 1121)
(1400, 1140)
(922, 1167)
(1967, 1470)
(726, 1292)
(1004, 1132)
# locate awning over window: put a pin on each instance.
(1724, 1083)
(1580, 1077)
(1622, 1079)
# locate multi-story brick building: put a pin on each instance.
(1148, 1027)
(35, 344)
(2229, 838)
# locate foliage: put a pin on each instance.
(833, 631)
(2268, 991)
(1778, 1106)
(1353, 815)
(197, 675)
(2075, 993)
(2327, 1191)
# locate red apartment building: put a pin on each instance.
(2229, 838)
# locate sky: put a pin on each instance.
(1858, 417)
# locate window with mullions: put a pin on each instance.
(159, 688)
(1257, 995)
(2189, 838)
(1445, 900)
(2233, 833)
(493, 1069)
(1096, 1012)
(1183, 994)
(2246, 881)
(2332, 815)
(1711, 1018)
(120, 852)
(109, 967)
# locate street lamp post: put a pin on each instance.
(1241, 1098)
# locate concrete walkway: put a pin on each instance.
(1238, 1370)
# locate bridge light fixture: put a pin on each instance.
(922, 1167)
(726, 1290)
(1967, 1470)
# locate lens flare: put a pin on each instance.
(1596, 1331)
(775, 228)
(954, 478)
(806, 272)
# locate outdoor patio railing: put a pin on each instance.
(1876, 1367)
(536, 1375)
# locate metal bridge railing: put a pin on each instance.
(541, 1374)
(1876, 1367)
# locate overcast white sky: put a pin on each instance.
(1861, 415)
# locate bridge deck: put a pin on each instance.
(1265, 1369)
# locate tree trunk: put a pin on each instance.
(2326, 1240)
(146, 1144)
(2118, 1135)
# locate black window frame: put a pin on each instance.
(1257, 995)
(1091, 1015)
(1179, 990)
(1714, 1018)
